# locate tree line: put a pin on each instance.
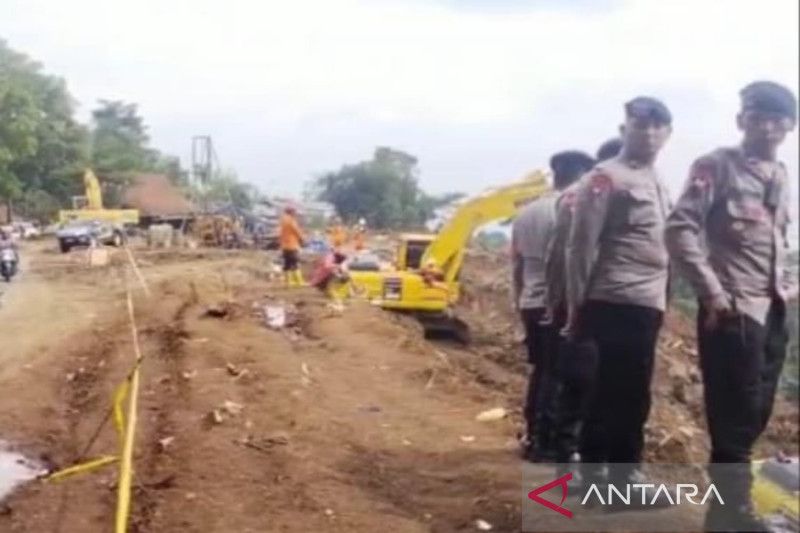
(44, 150)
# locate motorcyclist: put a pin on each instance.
(6, 241)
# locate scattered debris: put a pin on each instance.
(220, 310)
(264, 444)
(215, 417)
(483, 525)
(275, 316)
(165, 443)
(232, 408)
(498, 413)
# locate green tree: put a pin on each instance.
(383, 190)
(121, 149)
(42, 147)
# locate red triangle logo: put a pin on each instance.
(534, 495)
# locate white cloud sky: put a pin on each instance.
(480, 91)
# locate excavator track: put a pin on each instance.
(444, 325)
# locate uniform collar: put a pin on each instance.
(765, 171)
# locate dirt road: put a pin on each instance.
(345, 422)
(340, 423)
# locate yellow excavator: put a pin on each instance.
(424, 279)
(90, 206)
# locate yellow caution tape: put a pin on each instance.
(119, 417)
(126, 429)
(126, 460)
(82, 467)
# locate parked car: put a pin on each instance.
(86, 232)
(27, 230)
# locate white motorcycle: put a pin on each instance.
(8, 263)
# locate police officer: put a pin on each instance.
(532, 232)
(575, 363)
(617, 270)
(727, 236)
(609, 149)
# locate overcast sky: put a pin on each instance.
(481, 91)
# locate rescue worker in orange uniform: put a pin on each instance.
(359, 235)
(337, 235)
(291, 239)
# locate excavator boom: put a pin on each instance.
(446, 251)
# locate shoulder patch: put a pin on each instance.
(702, 174)
(567, 199)
(600, 183)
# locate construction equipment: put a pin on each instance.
(776, 489)
(217, 230)
(90, 206)
(425, 277)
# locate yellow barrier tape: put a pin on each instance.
(126, 460)
(120, 393)
(119, 417)
(138, 272)
(82, 467)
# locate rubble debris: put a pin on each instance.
(164, 444)
(483, 525)
(215, 417)
(264, 444)
(232, 408)
(491, 415)
(219, 310)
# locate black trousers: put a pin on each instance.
(576, 369)
(539, 410)
(291, 260)
(625, 337)
(741, 361)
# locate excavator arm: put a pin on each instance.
(446, 251)
(94, 196)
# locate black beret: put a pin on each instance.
(769, 97)
(609, 149)
(570, 159)
(647, 107)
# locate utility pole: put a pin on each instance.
(202, 164)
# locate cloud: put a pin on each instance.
(481, 92)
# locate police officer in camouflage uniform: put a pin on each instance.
(617, 271)
(727, 236)
(532, 232)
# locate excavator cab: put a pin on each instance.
(411, 249)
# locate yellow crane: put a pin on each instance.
(425, 277)
(90, 206)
